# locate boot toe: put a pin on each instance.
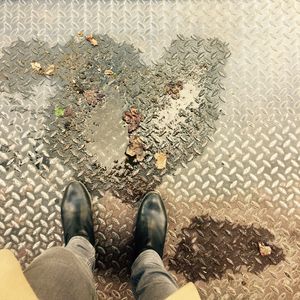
(152, 201)
(76, 191)
(76, 212)
(151, 224)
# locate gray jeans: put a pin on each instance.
(63, 273)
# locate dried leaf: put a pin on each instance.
(161, 160)
(135, 148)
(133, 118)
(173, 89)
(69, 112)
(109, 72)
(49, 70)
(264, 250)
(91, 39)
(36, 66)
(92, 97)
(179, 84)
(59, 111)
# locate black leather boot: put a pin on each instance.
(76, 213)
(151, 225)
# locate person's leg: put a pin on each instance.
(59, 274)
(66, 273)
(83, 249)
(150, 279)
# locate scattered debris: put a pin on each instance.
(91, 39)
(59, 112)
(136, 148)
(173, 89)
(93, 97)
(109, 72)
(133, 118)
(161, 160)
(79, 37)
(69, 112)
(49, 70)
(37, 67)
(264, 250)
(81, 70)
(78, 86)
(67, 125)
(4, 148)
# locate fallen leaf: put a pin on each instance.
(135, 148)
(69, 112)
(92, 97)
(173, 89)
(108, 72)
(36, 66)
(179, 84)
(161, 160)
(264, 250)
(91, 39)
(133, 118)
(59, 111)
(49, 70)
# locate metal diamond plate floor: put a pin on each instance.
(233, 170)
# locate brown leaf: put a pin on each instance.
(173, 89)
(49, 70)
(133, 118)
(91, 39)
(161, 160)
(135, 148)
(69, 112)
(264, 250)
(92, 97)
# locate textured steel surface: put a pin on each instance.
(248, 173)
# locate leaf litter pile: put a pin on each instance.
(133, 118)
(168, 109)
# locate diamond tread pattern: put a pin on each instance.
(248, 174)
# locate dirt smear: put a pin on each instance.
(210, 247)
(172, 106)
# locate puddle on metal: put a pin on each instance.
(210, 247)
(105, 133)
(178, 97)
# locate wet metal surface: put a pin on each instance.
(211, 247)
(232, 173)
